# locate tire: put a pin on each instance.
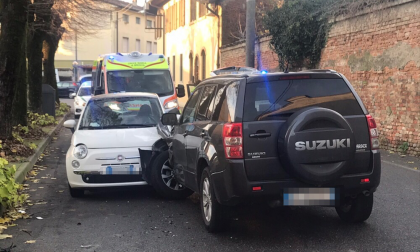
(76, 193)
(163, 180)
(356, 210)
(215, 215)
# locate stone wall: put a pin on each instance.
(378, 50)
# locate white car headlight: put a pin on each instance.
(80, 151)
(171, 105)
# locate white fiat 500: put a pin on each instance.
(104, 149)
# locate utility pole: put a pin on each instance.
(250, 33)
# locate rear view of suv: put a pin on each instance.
(299, 138)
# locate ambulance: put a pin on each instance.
(136, 72)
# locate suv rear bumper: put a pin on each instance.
(233, 187)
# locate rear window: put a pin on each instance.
(279, 99)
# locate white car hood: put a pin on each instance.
(116, 138)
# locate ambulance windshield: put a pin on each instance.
(151, 81)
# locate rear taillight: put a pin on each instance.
(232, 140)
(75, 84)
(373, 132)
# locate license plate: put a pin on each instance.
(309, 197)
(121, 170)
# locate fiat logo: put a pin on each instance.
(120, 158)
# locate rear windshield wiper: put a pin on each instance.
(287, 114)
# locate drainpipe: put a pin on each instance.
(163, 23)
(117, 33)
(218, 33)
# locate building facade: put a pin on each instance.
(123, 29)
(189, 38)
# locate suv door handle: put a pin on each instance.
(185, 134)
(203, 134)
(260, 135)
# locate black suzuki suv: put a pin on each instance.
(300, 138)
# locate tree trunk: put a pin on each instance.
(50, 47)
(20, 102)
(13, 29)
(35, 71)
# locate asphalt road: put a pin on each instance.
(136, 219)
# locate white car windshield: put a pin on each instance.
(124, 112)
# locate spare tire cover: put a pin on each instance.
(316, 145)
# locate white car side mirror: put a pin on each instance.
(72, 95)
(70, 124)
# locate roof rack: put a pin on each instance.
(319, 70)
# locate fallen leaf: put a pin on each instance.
(44, 177)
(415, 168)
(30, 204)
(5, 236)
(12, 225)
(85, 246)
(40, 187)
(2, 228)
(54, 138)
(30, 241)
(39, 218)
(53, 178)
(41, 203)
(29, 232)
(32, 190)
(5, 220)
(411, 162)
(61, 191)
(25, 185)
(36, 181)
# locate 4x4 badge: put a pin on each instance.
(323, 144)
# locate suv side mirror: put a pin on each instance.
(72, 95)
(174, 111)
(97, 92)
(180, 91)
(169, 119)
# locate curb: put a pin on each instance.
(25, 168)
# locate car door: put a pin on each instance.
(179, 142)
(197, 134)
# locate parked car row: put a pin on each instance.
(290, 139)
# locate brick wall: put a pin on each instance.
(265, 58)
(379, 52)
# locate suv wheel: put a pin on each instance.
(164, 181)
(76, 193)
(214, 214)
(356, 210)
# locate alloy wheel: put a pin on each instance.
(168, 177)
